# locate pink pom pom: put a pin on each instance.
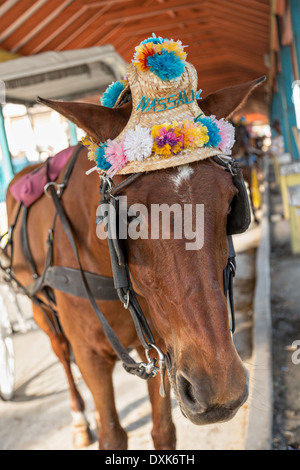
(114, 154)
(227, 135)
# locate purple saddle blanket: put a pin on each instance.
(30, 187)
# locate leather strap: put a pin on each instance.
(129, 180)
(119, 267)
(69, 280)
(128, 362)
(40, 283)
(10, 241)
(228, 275)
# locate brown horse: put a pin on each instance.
(181, 292)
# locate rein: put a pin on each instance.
(124, 289)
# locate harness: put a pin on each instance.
(94, 287)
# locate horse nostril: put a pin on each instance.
(185, 388)
(188, 395)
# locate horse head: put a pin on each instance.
(183, 284)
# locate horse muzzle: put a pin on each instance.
(198, 402)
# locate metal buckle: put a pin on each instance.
(58, 186)
(106, 180)
(232, 267)
(152, 369)
(126, 300)
(232, 167)
(229, 163)
(9, 233)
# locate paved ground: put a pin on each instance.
(39, 418)
(285, 302)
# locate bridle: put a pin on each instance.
(110, 196)
(237, 223)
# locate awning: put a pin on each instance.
(67, 75)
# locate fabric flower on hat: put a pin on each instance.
(195, 134)
(154, 39)
(91, 145)
(114, 154)
(138, 144)
(101, 161)
(164, 57)
(227, 134)
(213, 129)
(166, 65)
(171, 46)
(168, 139)
(142, 54)
(112, 93)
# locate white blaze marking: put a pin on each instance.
(183, 174)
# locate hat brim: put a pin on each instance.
(159, 163)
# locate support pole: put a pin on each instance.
(277, 112)
(285, 118)
(286, 79)
(295, 15)
(73, 134)
(7, 164)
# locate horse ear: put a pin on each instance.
(97, 121)
(224, 102)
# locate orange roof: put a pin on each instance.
(228, 39)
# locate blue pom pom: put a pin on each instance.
(101, 161)
(167, 65)
(213, 130)
(154, 39)
(111, 94)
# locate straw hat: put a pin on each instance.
(163, 130)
